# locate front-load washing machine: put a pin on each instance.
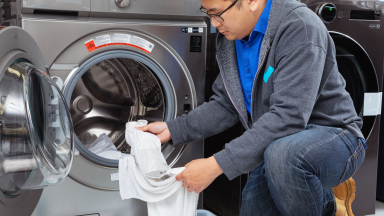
(355, 27)
(117, 62)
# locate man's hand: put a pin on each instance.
(160, 129)
(199, 174)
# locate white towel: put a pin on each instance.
(145, 175)
(104, 147)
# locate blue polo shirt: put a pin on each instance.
(248, 53)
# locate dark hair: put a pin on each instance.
(238, 4)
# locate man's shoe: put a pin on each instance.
(345, 194)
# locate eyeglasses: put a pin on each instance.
(217, 17)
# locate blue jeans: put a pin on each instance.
(299, 172)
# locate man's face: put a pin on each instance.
(238, 22)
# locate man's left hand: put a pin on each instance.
(199, 174)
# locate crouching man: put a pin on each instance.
(279, 77)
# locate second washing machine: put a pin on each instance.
(356, 29)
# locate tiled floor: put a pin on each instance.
(379, 209)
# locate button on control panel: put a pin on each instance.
(327, 12)
(122, 3)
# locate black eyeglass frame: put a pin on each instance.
(202, 9)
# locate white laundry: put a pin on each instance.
(104, 147)
(145, 175)
(87, 139)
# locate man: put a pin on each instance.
(279, 77)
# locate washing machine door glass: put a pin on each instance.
(360, 76)
(36, 132)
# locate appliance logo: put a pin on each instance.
(374, 26)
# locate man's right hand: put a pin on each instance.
(160, 129)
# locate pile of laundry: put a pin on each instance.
(144, 174)
(101, 146)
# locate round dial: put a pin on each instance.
(327, 12)
(122, 3)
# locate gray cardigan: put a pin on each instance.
(304, 88)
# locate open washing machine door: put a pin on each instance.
(36, 131)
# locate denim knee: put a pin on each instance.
(279, 157)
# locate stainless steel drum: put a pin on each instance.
(36, 132)
(112, 93)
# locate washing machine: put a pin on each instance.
(114, 62)
(355, 27)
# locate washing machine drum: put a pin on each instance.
(36, 132)
(110, 94)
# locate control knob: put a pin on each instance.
(327, 12)
(122, 3)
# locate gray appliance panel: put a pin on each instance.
(23, 205)
(144, 8)
(84, 6)
(169, 32)
(365, 33)
(72, 198)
